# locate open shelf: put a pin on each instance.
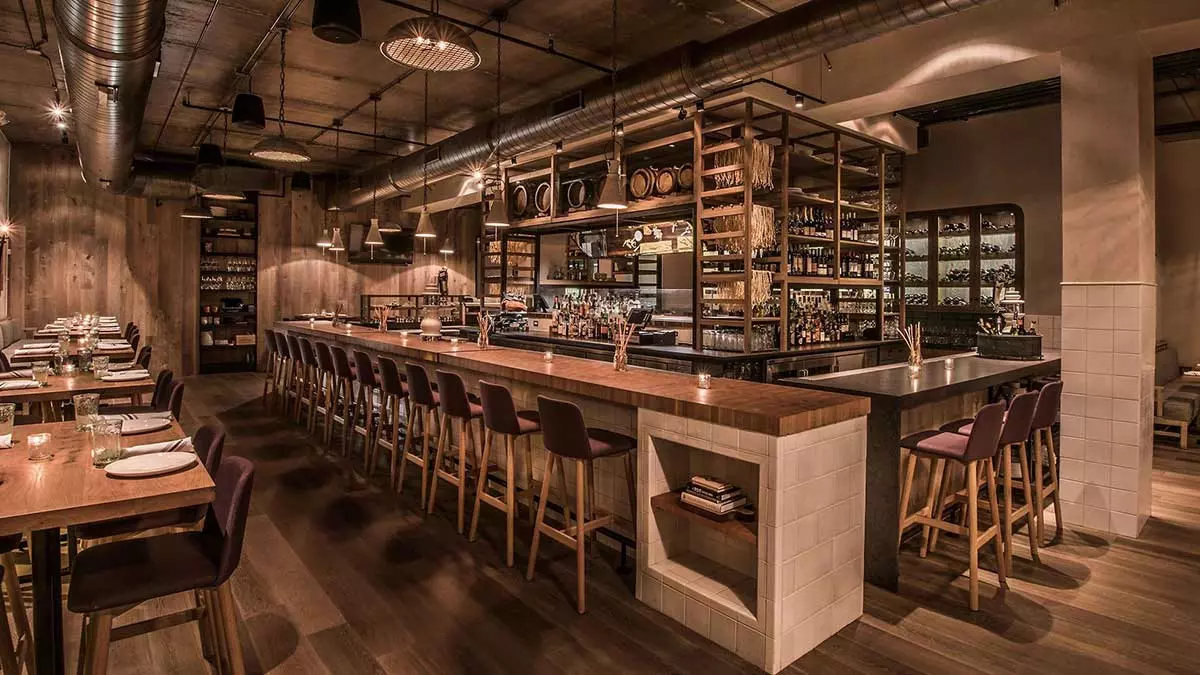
(668, 502)
(722, 586)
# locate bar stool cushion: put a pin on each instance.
(9, 542)
(529, 421)
(605, 443)
(945, 444)
(136, 570)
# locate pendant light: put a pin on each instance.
(337, 246)
(197, 211)
(447, 247)
(218, 192)
(374, 238)
(337, 21)
(497, 215)
(337, 164)
(430, 43)
(425, 223)
(612, 192)
(280, 148)
(209, 156)
(325, 242)
(248, 112)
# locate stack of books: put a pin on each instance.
(712, 496)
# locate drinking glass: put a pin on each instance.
(8, 411)
(41, 372)
(64, 343)
(39, 447)
(100, 366)
(106, 442)
(87, 409)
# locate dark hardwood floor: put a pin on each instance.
(344, 577)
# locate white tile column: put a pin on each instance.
(1108, 293)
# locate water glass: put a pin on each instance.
(39, 447)
(100, 366)
(41, 372)
(87, 409)
(106, 442)
(64, 343)
(8, 412)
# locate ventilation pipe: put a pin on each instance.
(110, 51)
(679, 77)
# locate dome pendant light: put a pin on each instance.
(612, 192)
(430, 43)
(337, 21)
(497, 215)
(280, 148)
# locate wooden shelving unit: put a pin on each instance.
(508, 263)
(228, 296)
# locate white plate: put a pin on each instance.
(143, 426)
(153, 464)
(124, 377)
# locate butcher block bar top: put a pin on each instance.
(765, 408)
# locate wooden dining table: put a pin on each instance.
(73, 347)
(60, 389)
(66, 490)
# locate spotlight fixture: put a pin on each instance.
(337, 21)
(682, 113)
(248, 112)
(558, 147)
(209, 156)
(197, 211)
(612, 193)
(325, 241)
(620, 130)
(430, 43)
(280, 148)
(58, 111)
(337, 245)
(799, 100)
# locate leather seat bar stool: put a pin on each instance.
(272, 365)
(342, 393)
(1018, 420)
(14, 650)
(1045, 416)
(282, 364)
(424, 403)
(308, 384)
(291, 386)
(501, 417)
(976, 453)
(393, 395)
(457, 411)
(566, 436)
(109, 579)
(364, 407)
(324, 381)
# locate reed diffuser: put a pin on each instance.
(485, 327)
(912, 338)
(622, 330)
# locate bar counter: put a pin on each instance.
(799, 455)
(902, 404)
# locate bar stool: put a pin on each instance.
(565, 435)
(281, 367)
(307, 396)
(294, 377)
(1018, 421)
(13, 652)
(1044, 418)
(393, 393)
(341, 390)
(364, 402)
(456, 407)
(978, 448)
(324, 382)
(500, 416)
(423, 403)
(272, 365)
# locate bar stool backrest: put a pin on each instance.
(453, 394)
(324, 357)
(270, 336)
(209, 443)
(984, 441)
(563, 430)
(390, 381)
(499, 411)
(161, 398)
(281, 346)
(364, 369)
(225, 525)
(307, 353)
(419, 390)
(1049, 401)
(294, 351)
(341, 364)
(1019, 420)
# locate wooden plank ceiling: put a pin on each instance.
(327, 81)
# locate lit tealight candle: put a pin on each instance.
(704, 380)
(949, 363)
(69, 369)
(312, 322)
(38, 452)
(547, 356)
(454, 341)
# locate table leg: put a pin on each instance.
(882, 522)
(47, 602)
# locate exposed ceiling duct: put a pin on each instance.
(109, 52)
(679, 77)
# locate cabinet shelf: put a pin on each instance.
(668, 502)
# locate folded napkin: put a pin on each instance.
(121, 367)
(154, 415)
(127, 376)
(181, 445)
(40, 343)
(27, 351)
(19, 374)
(1192, 373)
(10, 385)
(113, 344)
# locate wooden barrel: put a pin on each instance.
(541, 198)
(576, 193)
(684, 177)
(665, 181)
(520, 200)
(641, 183)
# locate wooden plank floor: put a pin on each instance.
(341, 577)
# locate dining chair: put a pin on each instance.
(135, 340)
(129, 328)
(5, 366)
(14, 650)
(175, 401)
(143, 357)
(159, 401)
(109, 579)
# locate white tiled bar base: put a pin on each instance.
(1108, 405)
(773, 601)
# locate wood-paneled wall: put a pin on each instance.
(81, 249)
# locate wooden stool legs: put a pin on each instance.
(423, 415)
(459, 478)
(1044, 439)
(509, 503)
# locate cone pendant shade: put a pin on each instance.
(374, 237)
(425, 227)
(612, 193)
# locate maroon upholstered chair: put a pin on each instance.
(109, 578)
(975, 452)
(307, 394)
(295, 377)
(393, 395)
(567, 436)
(324, 381)
(423, 403)
(272, 363)
(143, 357)
(364, 408)
(500, 416)
(175, 402)
(160, 400)
(5, 365)
(342, 391)
(135, 340)
(1045, 454)
(458, 410)
(129, 328)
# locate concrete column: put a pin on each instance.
(1108, 293)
